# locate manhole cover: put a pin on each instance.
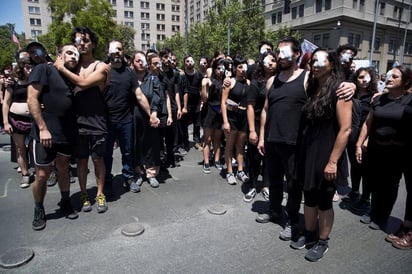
(133, 229)
(217, 209)
(16, 257)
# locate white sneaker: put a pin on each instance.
(231, 180)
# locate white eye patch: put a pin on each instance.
(39, 52)
(388, 75)
(112, 48)
(321, 56)
(144, 62)
(367, 78)
(285, 53)
(222, 69)
(244, 67)
(263, 50)
(266, 61)
(191, 61)
(22, 55)
(202, 63)
(345, 58)
(159, 65)
(77, 40)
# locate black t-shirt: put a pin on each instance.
(257, 95)
(57, 99)
(169, 79)
(119, 95)
(192, 85)
(19, 94)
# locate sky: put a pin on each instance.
(10, 12)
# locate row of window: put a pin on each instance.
(159, 27)
(146, 5)
(146, 16)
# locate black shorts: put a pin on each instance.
(238, 120)
(94, 145)
(321, 198)
(211, 118)
(45, 156)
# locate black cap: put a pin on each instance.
(34, 43)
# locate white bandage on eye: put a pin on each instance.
(285, 53)
(202, 63)
(159, 65)
(22, 55)
(191, 61)
(263, 50)
(321, 58)
(144, 62)
(76, 55)
(112, 48)
(39, 52)
(222, 69)
(367, 78)
(77, 40)
(244, 67)
(345, 58)
(388, 75)
(266, 61)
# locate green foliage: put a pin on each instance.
(8, 48)
(126, 36)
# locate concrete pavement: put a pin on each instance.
(180, 236)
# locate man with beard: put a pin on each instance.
(119, 96)
(50, 103)
(280, 119)
(91, 79)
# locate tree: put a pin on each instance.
(126, 36)
(8, 48)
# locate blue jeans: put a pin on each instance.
(123, 133)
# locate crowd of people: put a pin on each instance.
(294, 123)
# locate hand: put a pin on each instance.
(179, 114)
(253, 138)
(358, 154)
(8, 128)
(8, 82)
(59, 63)
(46, 138)
(154, 121)
(184, 110)
(227, 82)
(226, 127)
(330, 171)
(346, 91)
(169, 121)
(261, 147)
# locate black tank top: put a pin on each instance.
(19, 94)
(239, 93)
(285, 102)
(215, 92)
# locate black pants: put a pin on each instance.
(191, 117)
(256, 166)
(280, 162)
(358, 172)
(167, 137)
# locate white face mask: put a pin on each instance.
(285, 53)
(76, 55)
(321, 56)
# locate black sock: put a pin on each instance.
(38, 205)
(65, 195)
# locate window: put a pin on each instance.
(175, 18)
(128, 14)
(161, 37)
(321, 40)
(175, 28)
(198, 17)
(355, 4)
(130, 24)
(145, 36)
(294, 12)
(361, 5)
(35, 22)
(160, 6)
(145, 26)
(160, 27)
(391, 46)
(397, 12)
(176, 8)
(354, 39)
(408, 48)
(115, 13)
(328, 4)
(377, 44)
(113, 2)
(35, 33)
(34, 10)
(33, 1)
(160, 17)
(318, 7)
(298, 12)
(301, 12)
(145, 15)
(144, 5)
(128, 3)
(382, 9)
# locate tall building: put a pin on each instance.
(329, 23)
(152, 20)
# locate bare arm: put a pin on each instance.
(178, 104)
(261, 144)
(169, 110)
(225, 95)
(346, 90)
(33, 92)
(344, 117)
(253, 138)
(363, 136)
(205, 90)
(6, 109)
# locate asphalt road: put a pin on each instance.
(180, 235)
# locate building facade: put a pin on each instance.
(329, 23)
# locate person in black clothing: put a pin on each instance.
(191, 84)
(366, 87)
(50, 102)
(266, 68)
(119, 97)
(388, 131)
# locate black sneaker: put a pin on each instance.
(361, 206)
(352, 196)
(269, 217)
(365, 219)
(317, 251)
(206, 168)
(67, 210)
(307, 239)
(39, 221)
(250, 195)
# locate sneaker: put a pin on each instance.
(134, 186)
(265, 194)
(153, 182)
(241, 176)
(218, 165)
(67, 209)
(361, 206)
(317, 251)
(101, 203)
(286, 233)
(405, 242)
(374, 226)
(250, 195)
(351, 196)
(365, 219)
(52, 179)
(139, 181)
(307, 239)
(231, 180)
(39, 221)
(86, 206)
(181, 151)
(206, 168)
(268, 217)
(25, 181)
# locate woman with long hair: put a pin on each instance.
(16, 116)
(323, 135)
